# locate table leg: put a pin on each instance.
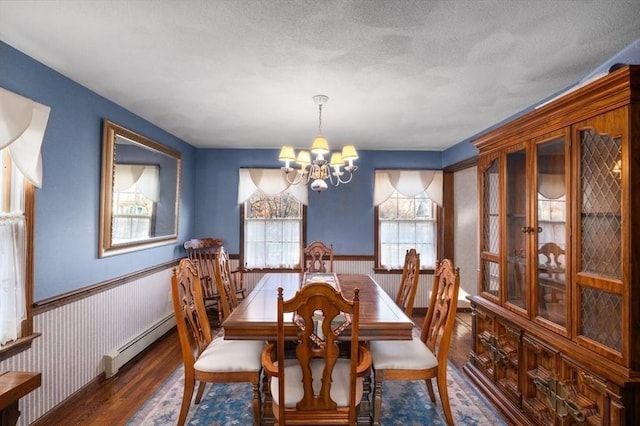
(267, 409)
(364, 409)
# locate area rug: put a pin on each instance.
(403, 403)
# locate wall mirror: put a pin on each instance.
(140, 192)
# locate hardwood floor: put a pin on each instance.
(113, 401)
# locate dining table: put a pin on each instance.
(255, 318)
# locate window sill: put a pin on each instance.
(15, 347)
(381, 271)
(296, 270)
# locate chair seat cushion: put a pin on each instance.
(293, 391)
(401, 355)
(230, 355)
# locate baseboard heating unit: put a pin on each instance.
(119, 357)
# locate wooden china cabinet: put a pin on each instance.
(556, 324)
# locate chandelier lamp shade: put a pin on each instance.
(318, 172)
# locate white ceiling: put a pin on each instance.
(415, 75)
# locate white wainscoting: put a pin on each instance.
(76, 336)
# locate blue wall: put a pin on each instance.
(342, 216)
(67, 206)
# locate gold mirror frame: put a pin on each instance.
(123, 147)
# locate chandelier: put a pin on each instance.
(319, 171)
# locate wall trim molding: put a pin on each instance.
(82, 293)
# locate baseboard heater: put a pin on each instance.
(119, 357)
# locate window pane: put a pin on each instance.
(272, 226)
(405, 223)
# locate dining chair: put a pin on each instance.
(225, 283)
(317, 257)
(424, 357)
(235, 277)
(552, 281)
(202, 252)
(315, 385)
(409, 282)
(207, 359)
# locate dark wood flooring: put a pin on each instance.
(113, 401)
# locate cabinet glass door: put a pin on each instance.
(490, 272)
(551, 213)
(517, 229)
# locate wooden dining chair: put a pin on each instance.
(317, 257)
(424, 357)
(202, 252)
(316, 386)
(235, 277)
(225, 283)
(409, 282)
(207, 359)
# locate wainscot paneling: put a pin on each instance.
(76, 336)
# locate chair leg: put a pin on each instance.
(255, 402)
(201, 387)
(444, 395)
(377, 397)
(189, 384)
(430, 390)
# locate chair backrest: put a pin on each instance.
(317, 257)
(317, 339)
(441, 315)
(552, 252)
(409, 282)
(225, 283)
(192, 323)
(202, 252)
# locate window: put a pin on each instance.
(406, 216)
(136, 191)
(272, 230)
(405, 223)
(551, 220)
(16, 201)
(20, 172)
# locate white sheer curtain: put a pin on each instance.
(284, 235)
(399, 235)
(22, 126)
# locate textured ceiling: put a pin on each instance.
(399, 74)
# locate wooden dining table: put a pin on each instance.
(255, 318)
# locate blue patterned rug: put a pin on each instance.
(403, 403)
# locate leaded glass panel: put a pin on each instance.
(490, 278)
(601, 189)
(601, 317)
(491, 208)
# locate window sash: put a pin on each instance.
(406, 222)
(272, 242)
(13, 248)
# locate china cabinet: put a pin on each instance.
(556, 322)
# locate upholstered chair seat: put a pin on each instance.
(230, 355)
(402, 355)
(293, 382)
